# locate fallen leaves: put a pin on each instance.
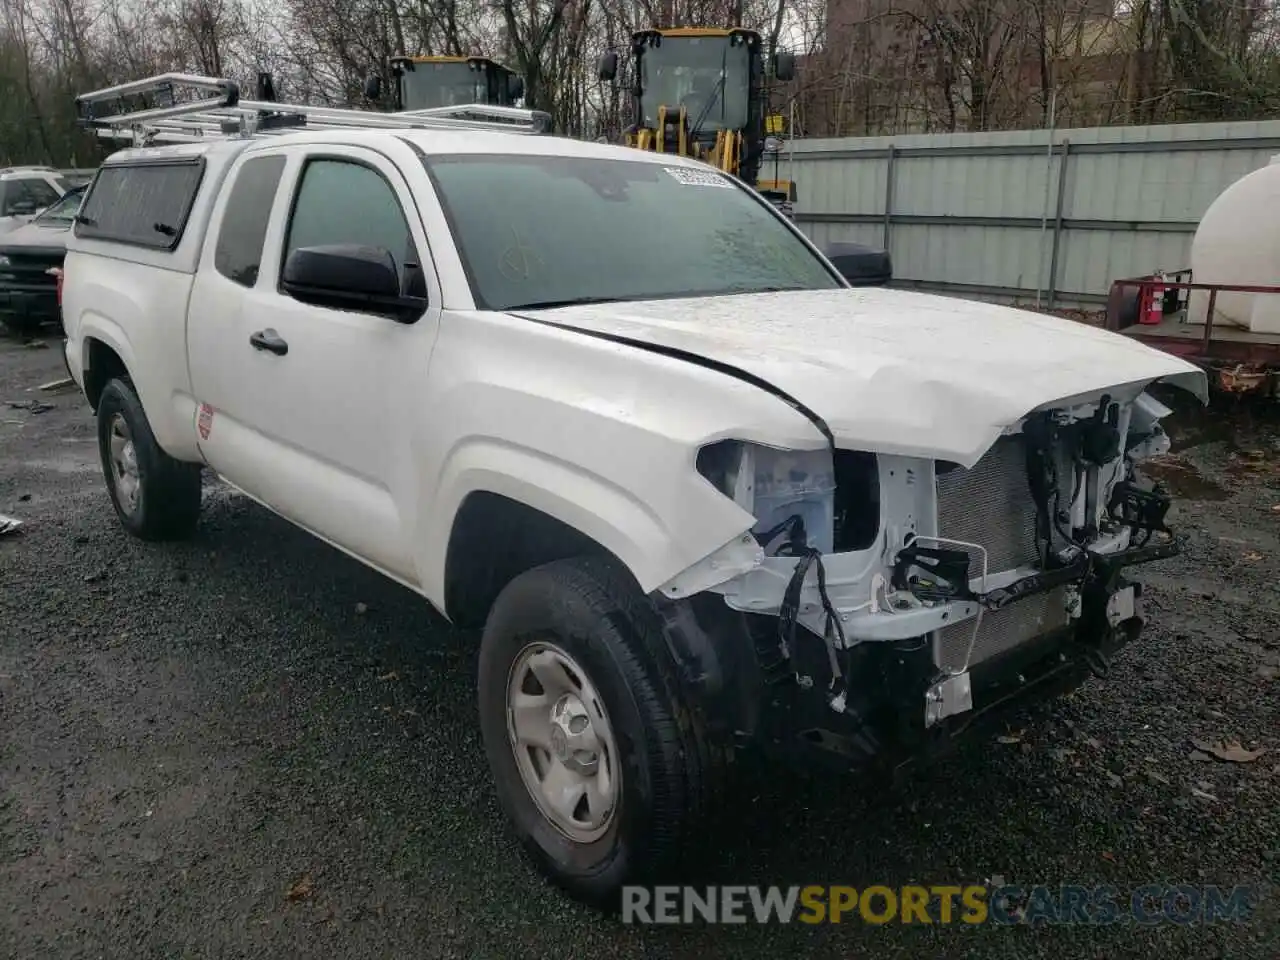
(1230, 751)
(300, 890)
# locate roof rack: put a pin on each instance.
(221, 115)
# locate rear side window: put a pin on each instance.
(41, 192)
(18, 198)
(144, 204)
(238, 254)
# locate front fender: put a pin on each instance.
(619, 520)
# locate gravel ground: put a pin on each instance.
(249, 745)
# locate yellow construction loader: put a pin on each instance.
(702, 92)
(423, 83)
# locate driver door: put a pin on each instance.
(313, 408)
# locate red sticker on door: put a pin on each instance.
(204, 423)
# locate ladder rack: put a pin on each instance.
(220, 114)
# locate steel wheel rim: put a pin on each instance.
(563, 742)
(123, 455)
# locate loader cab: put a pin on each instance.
(700, 92)
(423, 83)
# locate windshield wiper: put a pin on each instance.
(568, 302)
(715, 95)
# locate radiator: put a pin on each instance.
(991, 505)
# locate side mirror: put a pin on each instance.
(609, 66)
(266, 88)
(861, 265)
(784, 66)
(372, 87)
(516, 89)
(350, 277)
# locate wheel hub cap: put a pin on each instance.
(573, 741)
(562, 740)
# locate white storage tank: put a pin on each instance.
(1238, 241)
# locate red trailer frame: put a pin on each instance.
(1243, 361)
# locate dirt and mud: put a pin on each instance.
(249, 745)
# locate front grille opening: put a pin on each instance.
(857, 507)
(991, 504)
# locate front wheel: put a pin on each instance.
(155, 496)
(598, 765)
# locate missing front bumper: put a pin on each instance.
(885, 726)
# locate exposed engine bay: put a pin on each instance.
(852, 548)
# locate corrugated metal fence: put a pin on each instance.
(1024, 215)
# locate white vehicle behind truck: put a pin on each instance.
(25, 191)
(612, 409)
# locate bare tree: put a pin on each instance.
(867, 66)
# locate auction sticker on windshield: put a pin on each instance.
(697, 178)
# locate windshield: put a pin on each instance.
(539, 230)
(688, 70)
(64, 209)
(450, 84)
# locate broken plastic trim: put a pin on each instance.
(1081, 569)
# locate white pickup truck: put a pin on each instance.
(609, 406)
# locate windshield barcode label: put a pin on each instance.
(691, 177)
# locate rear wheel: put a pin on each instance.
(155, 496)
(596, 761)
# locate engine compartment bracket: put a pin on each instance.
(947, 697)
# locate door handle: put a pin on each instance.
(270, 341)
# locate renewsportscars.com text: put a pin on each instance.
(939, 904)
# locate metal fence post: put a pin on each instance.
(1063, 155)
(888, 194)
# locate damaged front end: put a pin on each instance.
(892, 600)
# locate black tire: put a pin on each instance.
(596, 613)
(168, 505)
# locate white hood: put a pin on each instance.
(894, 371)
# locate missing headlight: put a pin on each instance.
(857, 505)
(799, 497)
